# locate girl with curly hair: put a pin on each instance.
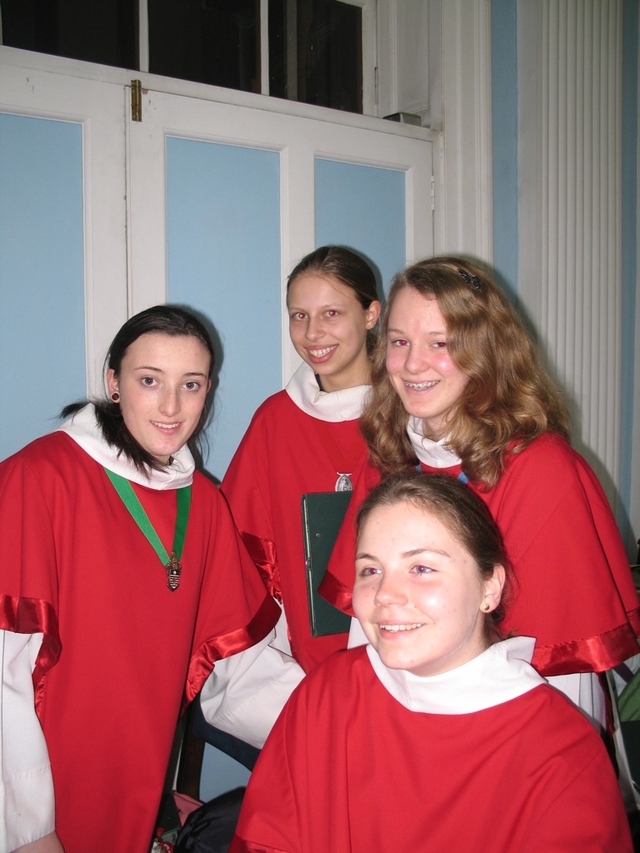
(459, 388)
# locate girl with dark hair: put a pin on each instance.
(458, 387)
(124, 581)
(438, 735)
(303, 439)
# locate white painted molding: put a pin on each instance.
(464, 177)
(570, 210)
(403, 57)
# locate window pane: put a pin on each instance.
(208, 41)
(95, 32)
(315, 46)
(315, 53)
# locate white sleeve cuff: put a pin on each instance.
(245, 693)
(27, 810)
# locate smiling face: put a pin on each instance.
(418, 592)
(163, 383)
(418, 362)
(328, 328)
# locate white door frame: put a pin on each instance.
(99, 97)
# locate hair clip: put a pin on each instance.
(473, 280)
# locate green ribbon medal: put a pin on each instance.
(131, 501)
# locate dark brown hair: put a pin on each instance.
(161, 319)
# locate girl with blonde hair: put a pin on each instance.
(459, 388)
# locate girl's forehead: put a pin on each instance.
(311, 284)
(422, 514)
(163, 340)
(158, 348)
(390, 514)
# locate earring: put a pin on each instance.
(486, 606)
(115, 396)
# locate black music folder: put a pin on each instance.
(322, 515)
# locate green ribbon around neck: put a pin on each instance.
(131, 501)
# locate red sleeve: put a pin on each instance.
(337, 585)
(281, 458)
(250, 503)
(233, 601)
(29, 591)
(586, 816)
(574, 590)
(269, 820)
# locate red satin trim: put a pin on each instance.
(634, 619)
(216, 648)
(263, 554)
(33, 616)
(337, 593)
(591, 654)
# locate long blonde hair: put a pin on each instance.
(509, 398)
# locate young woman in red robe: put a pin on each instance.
(437, 735)
(302, 439)
(459, 388)
(124, 580)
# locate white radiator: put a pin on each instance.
(577, 310)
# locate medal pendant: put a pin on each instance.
(343, 483)
(173, 568)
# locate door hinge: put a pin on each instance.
(136, 100)
(433, 193)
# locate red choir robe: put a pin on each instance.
(573, 590)
(121, 652)
(284, 454)
(349, 769)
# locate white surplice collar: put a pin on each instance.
(435, 454)
(331, 406)
(501, 673)
(84, 430)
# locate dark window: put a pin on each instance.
(315, 53)
(79, 29)
(207, 41)
(315, 46)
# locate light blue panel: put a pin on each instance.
(629, 255)
(42, 349)
(504, 100)
(220, 773)
(363, 207)
(223, 244)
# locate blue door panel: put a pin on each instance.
(42, 327)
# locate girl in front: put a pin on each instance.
(438, 735)
(459, 388)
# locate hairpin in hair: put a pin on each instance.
(473, 280)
